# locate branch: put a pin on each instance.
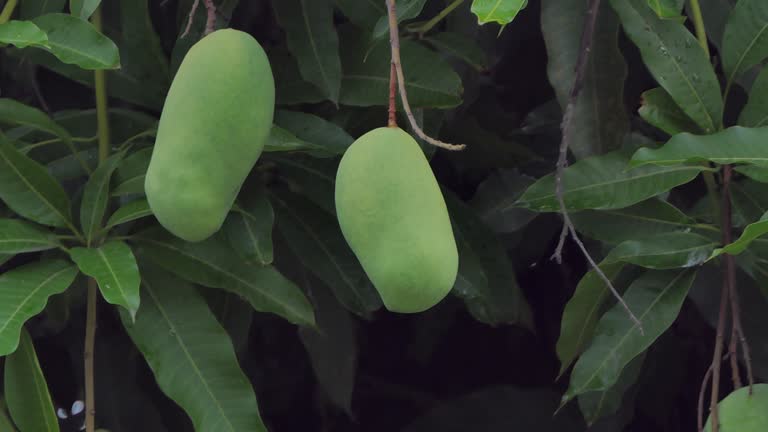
(587, 36)
(394, 40)
(210, 22)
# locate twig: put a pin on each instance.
(587, 36)
(191, 18)
(717, 356)
(90, 341)
(701, 396)
(210, 22)
(395, 44)
(392, 120)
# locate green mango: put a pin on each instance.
(742, 412)
(393, 216)
(215, 122)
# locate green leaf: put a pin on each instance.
(604, 183)
(291, 88)
(365, 14)
(595, 405)
(582, 313)
(715, 14)
(115, 270)
(29, 190)
(756, 173)
(17, 237)
(750, 201)
(498, 11)
(405, 10)
(34, 8)
(655, 298)
(666, 251)
(280, 140)
(312, 177)
(192, 356)
(317, 130)
(130, 212)
(5, 420)
(752, 232)
(667, 9)
(745, 41)
(755, 113)
(316, 239)
(461, 47)
(430, 80)
(312, 39)
(249, 227)
(22, 34)
(234, 314)
(24, 291)
(214, 264)
(660, 110)
(677, 61)
(495, 201)
(75, 41)
(129, 176)
(16, 113)
(83, 9)
(96, 196)
(733, 145)
(648, 218)
(600, 112)
(26, 391)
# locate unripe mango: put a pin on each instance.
(742, 412)
(393, 216)
(214, 124)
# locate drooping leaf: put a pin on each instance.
(312, 39)
(75, 41)
(752, 232)
(648, 218)
(214, 264)
(316, 239)
(5, 420)
(291, 88)
(249, 227)
(498, 11)
(312, 177)
(430, 80)
(600, 116)
(130, 212)
(83, 8)
(24, 291)
(365, 14)
(461, 47)
(660, 110)
(17, 237)
(29, 190)
(604, 183)
(655, 298)
(755, 113)
(665, 251)
(95, 197)
(582, 313)
(115, 269)
(405, 10)
(495, 201)
(676, 60)
(731, 146)
(596, 405)
(22, 34)
(311, 128)
(33, 8)
(745, 40)
(281, 140)
(191, 356)
(750, 201)
(16, 113)
(26, 390)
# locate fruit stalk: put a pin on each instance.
(7, 11)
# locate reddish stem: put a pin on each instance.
(392, 122)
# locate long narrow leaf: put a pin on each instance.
(17, 236)
(745, 41)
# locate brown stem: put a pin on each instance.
(90, 340)
(191, 17)
(392, 121)
(394, 40)
(587, 37)
(702, 391)
(718, 354)
(210, 23)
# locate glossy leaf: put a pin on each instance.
(656, 299)
(24, 291)
(281, 140)
(130, 212)
(648, 218)
(745, 41)
(731, 146)
(29, 190)
(752, 232)
(312, 39)
(317, 130)
(26, 391)
(75, 41)
(17, 236)
(604, 183)
(405, 10)
(498, 11)
(115, 269)
(666, 251)
(676, 60)
(95, 197)
(192, 357)
(430, 80)
(601, 119)
(660, 110)
(595, 405)
(16, 113)
(461, 47)
(582, 313)
(755, 113)
(214, 264)
(83, 8)
(249, 227)
(316, 239)
(22, 34)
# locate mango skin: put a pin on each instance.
(393, 216)
(215, 122)
(740, 412)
